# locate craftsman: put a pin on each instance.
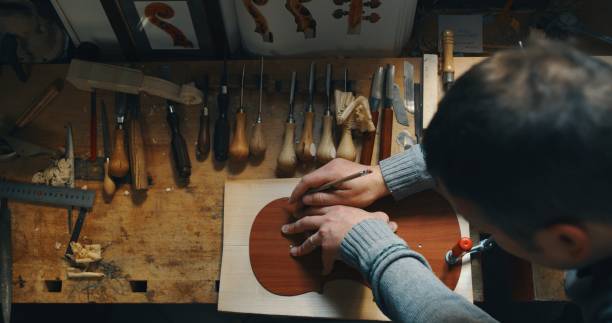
(520, 146)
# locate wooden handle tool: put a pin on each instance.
(287, 158)
(257, 146)
(138, 164)
(448, 64)
(239, 148)
(119, 163)
(387, 115)
(203, 144)
(327, 149)
(306, 149)
(346, 147)
(108, 184)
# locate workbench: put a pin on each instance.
(163, 246)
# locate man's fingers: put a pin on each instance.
(308, 246)
(311, 211)
(304, 224)
(324, 198)
(314, 179)
(381, 215)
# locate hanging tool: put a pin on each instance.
(37, 194)
(70, 159)
(239, 149)
(399, 107)
(203, 144)
(287, 158)
(119, 164)
(93, 127)
(138, 162)
(222, 127)
(327, 149)
(6, 261)
(306, 150)
(182, 164)
(386, 126)
(448, 64)
(418, 109)
(346, 147)
(464, 247)
(108, 184)
(409, 87)
(367, 145)
(257, 145)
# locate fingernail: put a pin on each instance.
(293, 251)
(285, 228)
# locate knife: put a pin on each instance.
(386, 127)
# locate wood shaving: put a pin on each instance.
(57, 174)
(354, 112)
(84, 254)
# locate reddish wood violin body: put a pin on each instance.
(426, 222)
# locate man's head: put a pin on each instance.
(522, 144)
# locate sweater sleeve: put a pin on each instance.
(404, 287)
(406, 173)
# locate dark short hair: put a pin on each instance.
(527, 136)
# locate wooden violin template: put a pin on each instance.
(426, 222)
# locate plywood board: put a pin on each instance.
(241, 292)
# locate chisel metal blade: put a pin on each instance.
(6, 262)
(401, 112)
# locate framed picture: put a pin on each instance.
(168, 29)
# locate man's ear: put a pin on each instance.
(567, 243)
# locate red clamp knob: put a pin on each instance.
(463, 245)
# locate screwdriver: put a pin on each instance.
(346, 148)
(222, 127)
(203, 144)
(307, 150)
(258, 141)
(327, 150)
(182, 163)
(239, 149)
(287, 159)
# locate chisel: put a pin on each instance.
(327, 149)
(138, 165)
(367, 145)
(239, 149)
(182, 163)
(119, 164)
(386, 126)
(222, 127)
(257, 145)
(108, 186)
(307, 150)
(287, 158)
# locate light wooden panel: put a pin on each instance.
(241, 292)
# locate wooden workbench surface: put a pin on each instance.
(170, 238)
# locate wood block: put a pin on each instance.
(241, 291)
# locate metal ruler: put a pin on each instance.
(42, 194)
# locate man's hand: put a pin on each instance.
(359, 192)
(330, 224)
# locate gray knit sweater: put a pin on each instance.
(404, 286)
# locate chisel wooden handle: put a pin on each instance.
(326, 150)
(239, 149)
(109, 186)
(38, 105)
(386, 130)
(258, 141)
(346, 148)
(306, 149)
(119, 163)
(448, 40)
(287, 159)
(138, 164)
(367, 145)
(179, 148)
(203, 145)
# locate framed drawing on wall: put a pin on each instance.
(168, 29)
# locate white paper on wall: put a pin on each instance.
(167, 29)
